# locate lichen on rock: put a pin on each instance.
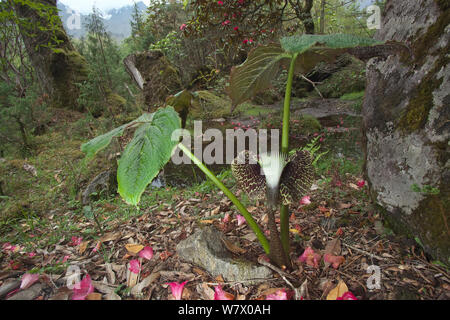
(406, 124)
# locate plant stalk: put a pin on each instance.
(248, 217)
(284, 210)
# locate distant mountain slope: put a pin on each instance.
(117, 21)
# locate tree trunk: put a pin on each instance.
(58, 68)
(322, 17)
(406, 112)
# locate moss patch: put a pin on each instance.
(68, 68)
(415, 115)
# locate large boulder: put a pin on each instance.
(155, 75)
(406, 112)
(206, 249)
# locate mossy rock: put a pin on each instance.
(68, 68)
(116, 103)
(161, 78)
(406, 125)
(351, 78)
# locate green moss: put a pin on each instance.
(423, 44)
(309, 125)
(415, 116)
(68, 68)
(116, 103)
(416, 113)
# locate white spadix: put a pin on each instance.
(272, 166)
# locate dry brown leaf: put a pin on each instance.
(337, 292)
(219, 279)
(110, 236)
(333, 247)
(205, 291)
(345, 205)
(206, 221)
(83, 247)
(354, 186)
(94, 296)
(137, 289)
(232, 247)
(134, 248)
(112, 297)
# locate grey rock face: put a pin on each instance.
(206, 250)
(406, 112)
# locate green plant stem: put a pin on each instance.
(284, 210)
(248, 217)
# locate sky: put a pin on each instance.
(85, 6)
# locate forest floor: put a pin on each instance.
(100, 239)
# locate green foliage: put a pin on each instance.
(107, 74)
(306, 51)
(21, 118)
(145, 155)
(170, 45)
(256, 73)
(353, 95)
(99, 143)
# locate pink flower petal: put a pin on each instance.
(135, 266)
(76, 241)
(32, 254)
(226, 219)
(146, 253)
(347, 296)
(310, 257)
(83, 289)
(28, 280)
(241, 220)
(361, 183)
(336, 261)
(305, 200)
(177, 289)
(279, 295)
(219, 294)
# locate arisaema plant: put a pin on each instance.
(276, 177)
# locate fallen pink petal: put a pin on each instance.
(310, 257)
(28, 280)
(336, 261)
(146, 253)
(279, 295)
(177, 289)
(135, 266)
(361, 183)
(83, 289)
(220, 294)
(347, 296)
(240, 220)
(305, 200)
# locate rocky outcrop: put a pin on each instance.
(155, 75)
(206, 249)
(406, 112)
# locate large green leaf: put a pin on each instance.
(99, 143)
(256, 73)
(148, 152)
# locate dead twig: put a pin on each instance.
(364, 252)
(283, 275)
